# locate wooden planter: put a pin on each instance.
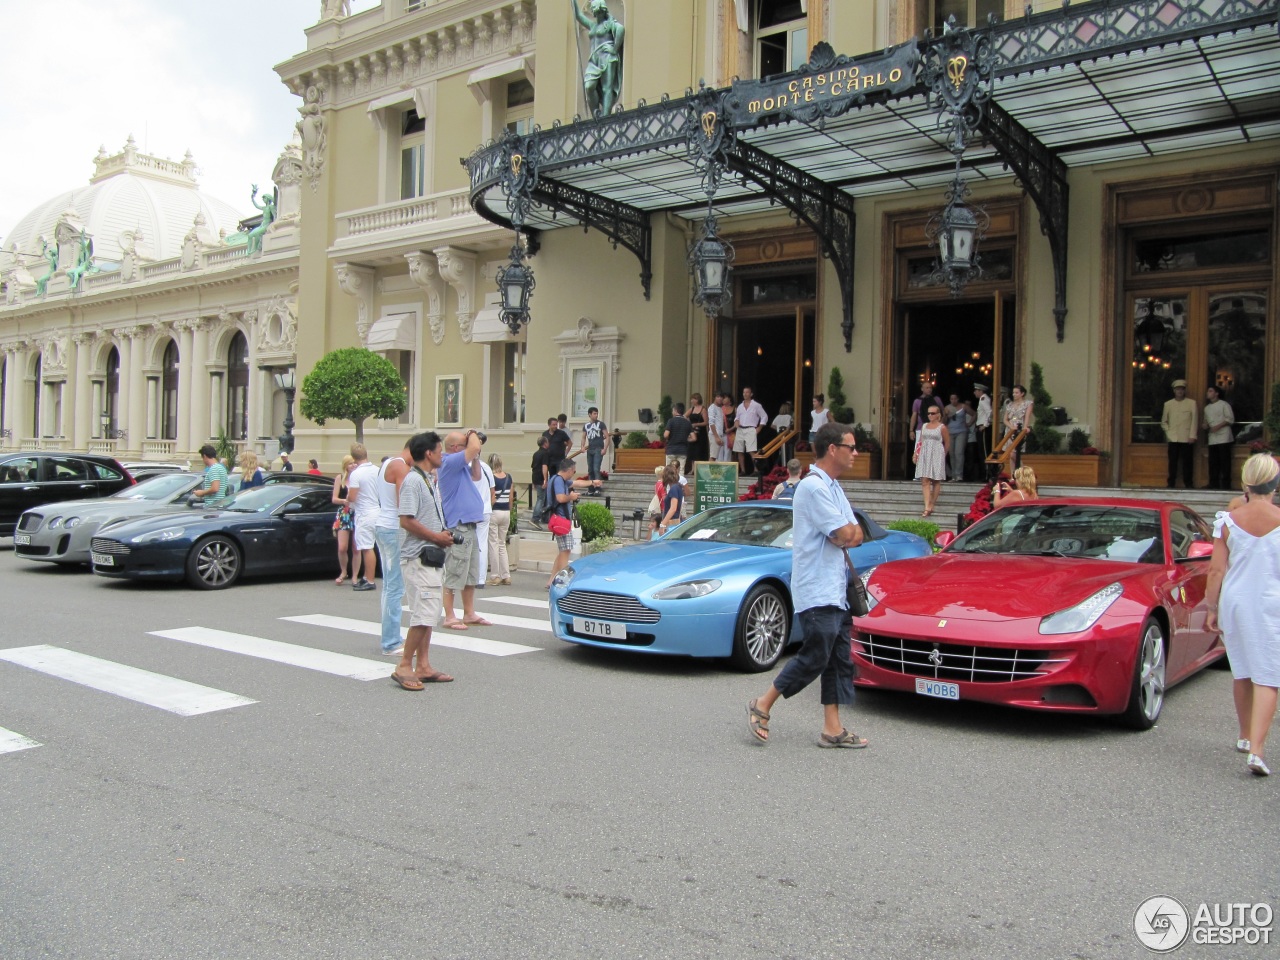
(866, 466)
(643, 460)
(1069, 469)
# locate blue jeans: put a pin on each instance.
(826, 653)
(392, 586)
(593, 462)
(540, 504)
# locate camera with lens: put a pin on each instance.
(457, 537)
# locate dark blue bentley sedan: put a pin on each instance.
(267, 530)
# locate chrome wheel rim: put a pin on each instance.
(216, 563)
(766, 628)
(1151, 675)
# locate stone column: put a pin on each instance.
(137, 391)
(13, 387)
(254, 417)
(198, 385)
(85, 416)
(99, 405)
(186, 384)
(124, 339)
(153, 407)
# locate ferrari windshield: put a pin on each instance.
(747, 526)
(1125, 534)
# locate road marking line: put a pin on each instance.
(516, 601)
(11, 742)
(142, 686)
(325, 661)
(440, 637)
(501, 620)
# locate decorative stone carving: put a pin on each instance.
(278, 333)
(197, 239)
(458, 268)
(311, 134)
(53, 355)
(66, 232)
(335, 9)
(424, 270)
(287, 176)
(357, 281)
(134, 251)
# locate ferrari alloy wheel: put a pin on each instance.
(213, 564)
(764, 623)
(1146, 696)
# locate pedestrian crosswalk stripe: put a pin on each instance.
(501, 620)
(154, 689)
(11, 742)
(325, 661)
(440, 637)
(516, 601)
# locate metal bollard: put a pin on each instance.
(608, 503)
(636, 516)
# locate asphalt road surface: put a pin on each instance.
(559, 802)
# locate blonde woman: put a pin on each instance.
(933, 446)
(1243, 596)
(250, 474)
(499, 521)
(345, 521)
(1023, 488)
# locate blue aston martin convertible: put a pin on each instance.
(718, 585)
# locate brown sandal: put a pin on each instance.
(409, 682)
(758, 721)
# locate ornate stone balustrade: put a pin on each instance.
(158, 449)
(225, 256)
(416, 218)
(163, 268)
(107, 448)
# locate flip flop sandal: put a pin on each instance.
(758, 721)
(478, 622)
(436, 678)
(842, 739)
(454, 625)
(408, 683)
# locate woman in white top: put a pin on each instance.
(1243, 595)
(820, 414)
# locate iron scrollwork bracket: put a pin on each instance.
(518, 177)
(958, 68)
(709, 137)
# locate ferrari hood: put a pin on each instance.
(969, 587)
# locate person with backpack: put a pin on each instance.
(787, 489)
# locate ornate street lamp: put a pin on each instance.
(104, 420)
(286, 380)
(515, 288)
(956, 231)
(711, 263)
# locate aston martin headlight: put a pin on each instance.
(160, 536)
(872, 602)
(55, 523)
(71, 522)
(687, 590)
(562, 578)
(1084, 614)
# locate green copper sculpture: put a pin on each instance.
(50, 253)
(84, 262)
(602, 76)
(268, 208)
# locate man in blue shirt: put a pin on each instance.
(463, 511)
(823, 527)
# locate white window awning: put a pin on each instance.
(476, 79)
(488, 326)
(396, 331)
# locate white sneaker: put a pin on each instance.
(1258, 766)
(1242, 746)
(394, 653)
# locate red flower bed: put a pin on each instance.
(656, 445)
(762, 489)
(981, 504)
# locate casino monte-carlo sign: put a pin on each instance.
(826, 86)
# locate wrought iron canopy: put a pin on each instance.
(1088, 83)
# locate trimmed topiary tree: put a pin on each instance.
(840, 411)
(353, 384)
(1043, 437)
(1078, 441)
(665, 407)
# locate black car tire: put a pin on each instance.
(763, 629)
(214, 563)
(1146, 692)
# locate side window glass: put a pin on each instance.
(1184, 530)
(317, 501)
(66, 470)
(102, 472)
(20, 470)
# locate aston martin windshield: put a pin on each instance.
(745, 526)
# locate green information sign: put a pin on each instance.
(714, 484)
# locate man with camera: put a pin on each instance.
(424, 544)
(463, 512)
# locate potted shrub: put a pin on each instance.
(638, 454)
(597, 525)
(866, 465)
(1082, 465)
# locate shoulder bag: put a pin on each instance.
(855, 593)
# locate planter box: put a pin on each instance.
(595, 546)
(1068, 469)
(638, 461)
(866, 466)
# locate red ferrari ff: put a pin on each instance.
(1077, 605)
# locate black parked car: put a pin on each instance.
(32, 479)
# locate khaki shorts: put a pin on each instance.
(744, 441)
(462, 569)
(422, 592)
(364, 533)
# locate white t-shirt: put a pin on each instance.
(364, 480)
(819, 419)
(782, 422)
(484, 485)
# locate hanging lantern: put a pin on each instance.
(515, 289)
(711, 262)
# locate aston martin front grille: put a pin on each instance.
(102, 545)
(607, 606)
(954, 661)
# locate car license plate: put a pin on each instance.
(22, 540)
(604, 629)
(936, 688)
(107, 560)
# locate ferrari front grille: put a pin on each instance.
(954, 661)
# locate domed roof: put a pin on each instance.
(129, 191)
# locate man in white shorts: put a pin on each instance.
(749, 418)
(421, 564)
(362, 491)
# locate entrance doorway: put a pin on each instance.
(953, 345)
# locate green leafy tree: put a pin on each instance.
(352, 384)
(837, 404)
(1044, 438)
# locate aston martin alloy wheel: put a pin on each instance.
(1146, 696)
(764, 625)
(213, 564)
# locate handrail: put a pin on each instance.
(1004, 450)
(774, 445)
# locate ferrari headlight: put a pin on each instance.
(1084, 614)
(562, 578)
(159, 536)
(688, 590)
(71, 522)
(872, 602)
(55, 523)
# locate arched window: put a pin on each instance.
(169, 394)
(238, 388)
(111, 393)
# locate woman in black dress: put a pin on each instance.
(699, 444)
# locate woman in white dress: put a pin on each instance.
(820, 416)
(1243, 594)
(932, 448)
